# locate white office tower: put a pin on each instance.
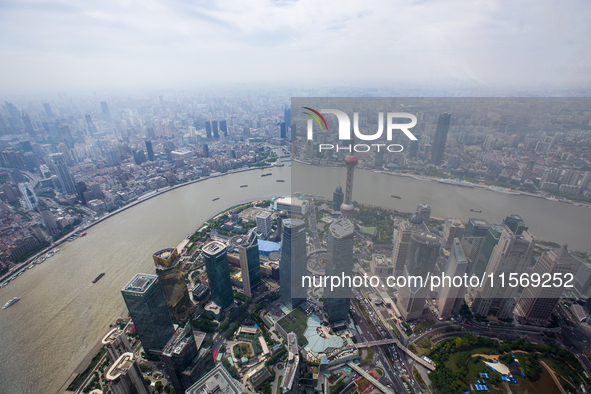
(264, 223)
(125, 376)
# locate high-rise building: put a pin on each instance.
(536, 304)
(147, 307)
(224, 127)
(473, 241)
(282, 130)
(59, 168)
(205, 151)
(493, 235)
(218, 274)
(424, 212)
(264, 223)
(208, 129)
(150, 150)
(91, 127)
(347, 207)
(29, 196)
(401, 239)
(48, 111)
(452, 228)
(440, 137)
(451, 296)
(250, 264)
(218, 381)
(168, 268)
(28, 125)
(476, 228)
(511, 254)
(293, 262)
(106, 113)
(339, 263)
(515, 224)
(337, 198)
(422, 256)
(287, 116)
(177, 356)
(125, 376)
(116, 344)
(413, 148)
(214, 129)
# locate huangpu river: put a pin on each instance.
(62, 315)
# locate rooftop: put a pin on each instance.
(342, 228)
(214, 248)
(217, 381)
(121, 366)
(140, 283)
(263, 214)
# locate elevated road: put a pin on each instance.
(371, 379)
(395, 341)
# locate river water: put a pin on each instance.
(62, 315)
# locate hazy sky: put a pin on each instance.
(63, 45)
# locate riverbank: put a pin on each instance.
(143, 198)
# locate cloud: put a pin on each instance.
(69, 44)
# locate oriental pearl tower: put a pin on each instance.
(350, 161)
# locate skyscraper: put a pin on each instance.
(402, 241)
(205, 151)
(92, 130)
(218, 274)
(422, 256)
(169, 270)
(337, 198)
(59, 168)
(28, 125)
(214, 129)
(106, 113)
(536, 304)
(339, 263)
(149, 150)
(264, 223)
(287, 116)
(116, 343)
(440, 138)
(452, 228)
(293, 262)
(177, 356)
(473, 241)
(451, 296)
(125, 376)
(224, 127)
(283, 130)
(512, 254)
(424, 212)
(250, 264)
(147, 307)
(48, 111)
(493, 235)
(208, 129)
(347, 207)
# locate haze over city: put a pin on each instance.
(73, 46)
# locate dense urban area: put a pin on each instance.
(223, 311)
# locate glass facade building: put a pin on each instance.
(293, 262)
(339, 262)
(147, 307)
(218, 273)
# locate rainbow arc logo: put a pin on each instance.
(316, 118)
